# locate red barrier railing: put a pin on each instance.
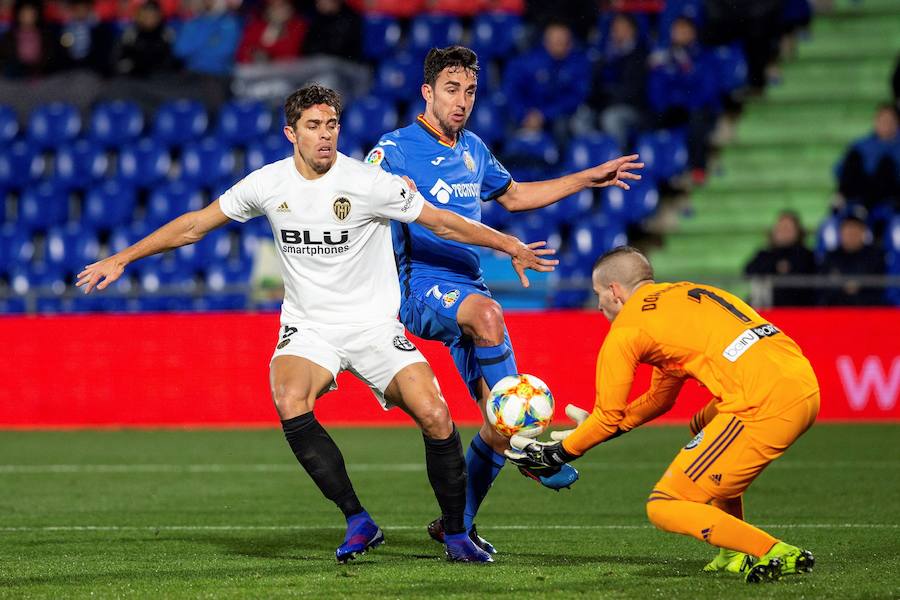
(212, 369)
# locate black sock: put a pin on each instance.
(322, 459)
(447, 473)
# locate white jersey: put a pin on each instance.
(333, 236)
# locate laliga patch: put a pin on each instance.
(694, 442)
(375, 156)
(401, 343)
(450, 298)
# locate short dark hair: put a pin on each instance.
(626, 265)
(439, 59)
(310, 95)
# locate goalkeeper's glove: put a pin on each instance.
(543, 459)
(579, 415)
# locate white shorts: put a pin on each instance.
(374, 354)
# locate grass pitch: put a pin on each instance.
(230, 514)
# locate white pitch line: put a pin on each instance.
(378, 467)
(151, 528)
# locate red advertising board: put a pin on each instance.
(212, 369)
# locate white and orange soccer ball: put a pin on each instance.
(520, 405)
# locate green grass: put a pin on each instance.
(229, 514)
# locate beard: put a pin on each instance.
(448, 129)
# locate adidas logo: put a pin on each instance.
(716, 478)
(283, 208)
(706, 533)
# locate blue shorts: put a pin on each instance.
(429, 312)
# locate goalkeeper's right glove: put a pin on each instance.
(579, 415)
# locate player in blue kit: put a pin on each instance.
(444, 296)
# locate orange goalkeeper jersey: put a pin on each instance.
(687, 330)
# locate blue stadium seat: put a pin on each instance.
(731, 66)
(664, 153)
(170, 201)
(111, 204)
(116, 123)
(429, 31)
(145, 163)
(16, 247)
(43, 205)
(398, 77)
(573, 273)
(494, 215)
(381, 34)
(530, 156)
(222, 276)
(589, 239)
(495, 35)
(70, 247)
(268, 150)
(20, 164)
(80, 164)
(585, 151)
(9, 125)
(534, 226)
(633, 205)
(243, 120)
(206, 160)
(505, 287)
(12, 306)
(181, 281)
(367, 118)
(216, 247)
(53, 124)
(42, 276)
(487, 121)
(180, 121)
(352, 146)
(576, 206)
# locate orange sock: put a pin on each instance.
(709, 524)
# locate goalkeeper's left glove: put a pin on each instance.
(579, 415)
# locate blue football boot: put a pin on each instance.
(461, 548)
(362, 534)
(564, 478)
(436, 531)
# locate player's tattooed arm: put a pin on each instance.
(451, 226)
(186, 229)
(537, 194)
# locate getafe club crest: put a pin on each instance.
(341, 208)
(450, 298)
(470, 162)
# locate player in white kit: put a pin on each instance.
(330, 217)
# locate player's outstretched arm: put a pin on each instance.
(451, 226)
(537, 194)
(186, 229)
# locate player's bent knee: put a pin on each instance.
(485, 321)
(493, 438)
(662, 514)
(435, 420)
(292, 401)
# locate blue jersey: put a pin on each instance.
(453, 176)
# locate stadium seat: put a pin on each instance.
(110, 204)
(585, 151)
(664, 153)
(53, 124)
(487, 121)
(633, 205)
(493, 214)
(367, 118)
(243, 120)
(42, 276)
(270, 149)
(828, 237)
(41, 206)
(398, 77)
(12, 306)
(576, 206)
(731, 66)
(166, 286)
(530, 156)
(170, 201)
(80, 164)
(216, 247)
(9, 125)
(206, 160)
(16, 247)
(534, 226)
(20, 164)
(429, 31)
(495, 35)
(381, 35)
(570, 281)
(223, 285)
(180, 121)
(145, 163)
(116, 123)
(351, 146)
(70, 247)
(589, 239)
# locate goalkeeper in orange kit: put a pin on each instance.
(765, 395)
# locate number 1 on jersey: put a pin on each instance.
(696, 294)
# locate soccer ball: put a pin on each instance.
(520, 404)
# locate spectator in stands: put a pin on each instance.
(85, 42)
(28, 49)
(869, 173)
(206, 43)
(578, 15)
(335, 29)
(619, 90)
(545, 86)
(854, 256)
(785, 255)
(683, 91)
(145, 48)
(275, 34)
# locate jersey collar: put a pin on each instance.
(435, 133)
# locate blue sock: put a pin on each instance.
(482, 466)
(496, 362)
